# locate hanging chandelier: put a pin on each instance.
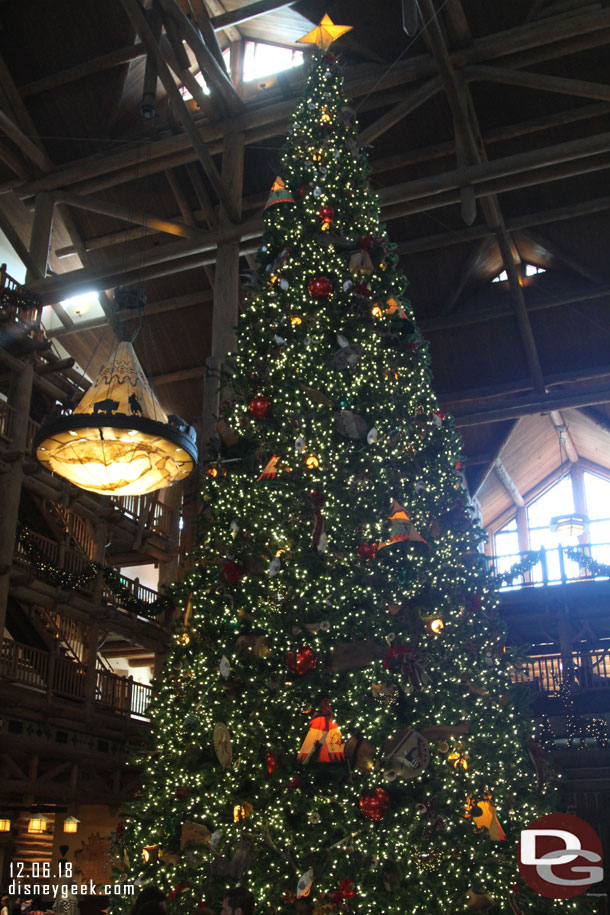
(118, 441)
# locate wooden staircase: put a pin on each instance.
(32, 847)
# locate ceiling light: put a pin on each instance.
(571, 525)
(127, 443)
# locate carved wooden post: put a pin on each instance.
(90, 661)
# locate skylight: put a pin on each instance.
(266, 59)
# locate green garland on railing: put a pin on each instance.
(531, 559)
(69, 581)
(587, 562)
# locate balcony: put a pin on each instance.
(552, 566)
(54, 676)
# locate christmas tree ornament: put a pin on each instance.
(259, 406)
(224, 667)
(234, 528)
(437, 418)
(478, 900)
(231, 572)
(222, 745)
(302, 661)
(372, 436)
(274, 566)
(190, 721)
(374, 806)
(407, 754)
(305, 883)
(458, 757)
(271, 763)
(410, 661)
(326, 214)
(444, 731)
(299, 444)
(360, 753)
(401, 527)
(320, 287)
(312, 462)
(314, 818)
(323, 742)
(194, 834)
(278, 194)
(317, 191)
(420, 487)
(242, 812)
(360, 262)
(367, 551)
(150, 853)
(483, 814)
(228, 436)
(351, 425)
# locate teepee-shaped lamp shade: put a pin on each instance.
(118, 441)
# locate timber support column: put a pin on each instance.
(224, 322)
(19, 397)
(90, 661)
(168, 571)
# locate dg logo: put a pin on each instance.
(560, 856)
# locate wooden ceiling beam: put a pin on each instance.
(507, 409)
(206, 28)
(180, 197)
(195, 371)
(29, 149)
(472, 233)
(508, 483)
(461, 400)
(134, 11)
(564, 436)
(94, 205)
(411, 103)
(86, 68)
(540, 82)
(200, 297)
(491, 460)
(469, 142)
(358, 81)
(114, 273)
(252, 11)
(214, 72)
(504, 167)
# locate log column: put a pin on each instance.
(19, 398)
(224, 319)
(168, 571)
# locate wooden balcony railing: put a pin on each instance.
(22, 310)
(162, 515)
(7, 414)
(54, 675)
(546, 674)
(550, 566)
(75, 563)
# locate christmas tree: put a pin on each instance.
(335, 728)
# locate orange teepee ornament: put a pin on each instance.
(401, 527)
(323, 741)
(483, 813)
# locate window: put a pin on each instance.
(530, 270)
(184, 92)
(265, 59)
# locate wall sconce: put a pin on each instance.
(5, 824)
(71, 824)
(37, 824)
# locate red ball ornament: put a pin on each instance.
(259, 406)
(295, 782)
(326, 214)
(375, 805)
(301, 661)
(368, 551)
(320, 287)
(271, 762)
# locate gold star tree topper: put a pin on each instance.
(325, 33)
